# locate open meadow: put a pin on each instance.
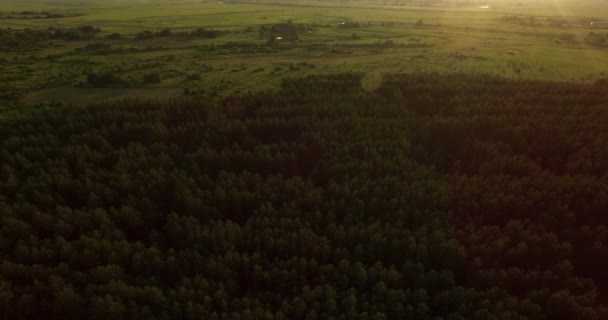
(64, 51)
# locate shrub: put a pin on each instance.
(193, 77)
(104, 79)
(602, 82)
(152, 78)
(567, 37)
(165, 33)
(113, 36)
(145, 35)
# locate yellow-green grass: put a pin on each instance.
(468, 39)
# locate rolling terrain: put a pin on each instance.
(252, 48)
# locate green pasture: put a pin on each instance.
(442, 38)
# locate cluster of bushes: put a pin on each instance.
(37, 15)
(237, 47)
(561, 23)
(105, 79)
(114, 36)
(97, 47)
(300, 65)
(151, 78)
(193, 77)
(557, 23)
(567, 37)
(113, 79)
(282, 32)
(28, 38)
(197, 33)
(12, 39)
(384, 44)
(87, 32)
(9, 94)
(597, 39)
(194, 91)
(521, 20)
(350, 24)
(285, 32)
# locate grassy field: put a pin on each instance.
(555, 40)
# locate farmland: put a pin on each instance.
(213, 49)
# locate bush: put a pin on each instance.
(113, 36)
(193, 77)
(597, 39)
(349, 24)
(386, 43)
(152, 78)
(567, 37)
(204, 33)
(145, 35)
(96, 46)
(165, 33)
(104, 79)
(602, 82)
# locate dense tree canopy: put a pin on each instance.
(432, 197)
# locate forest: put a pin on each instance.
(346, 196)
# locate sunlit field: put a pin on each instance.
(550, 40)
